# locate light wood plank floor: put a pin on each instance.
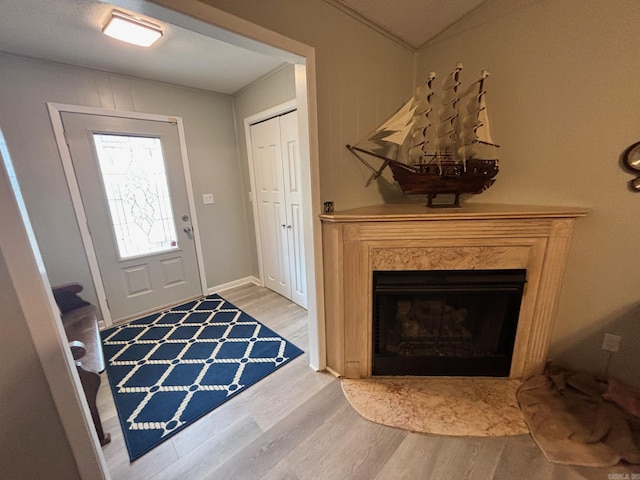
(297, 424)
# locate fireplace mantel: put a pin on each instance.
(413, 237)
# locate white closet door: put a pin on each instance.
(276, 164)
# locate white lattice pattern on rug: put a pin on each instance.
(188, 342)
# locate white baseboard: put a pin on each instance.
(235, 283)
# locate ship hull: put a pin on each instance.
(446, 178)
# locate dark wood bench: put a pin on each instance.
(81, 327)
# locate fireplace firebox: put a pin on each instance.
(445, 322)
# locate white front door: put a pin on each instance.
(132, 185)
(276, 163)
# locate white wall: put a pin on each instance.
(565, 103)
(273, 89)
(27, 85)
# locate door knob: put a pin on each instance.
(187, 229)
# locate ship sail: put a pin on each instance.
(476, 139)
(396, 129)
(483, 131)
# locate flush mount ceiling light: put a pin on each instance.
(132, 29)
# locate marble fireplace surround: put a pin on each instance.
(414, 237)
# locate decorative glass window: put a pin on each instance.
(135, 183)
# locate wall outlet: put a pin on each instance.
(611, 342)
(327, 207)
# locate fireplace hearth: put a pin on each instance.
(446, 322)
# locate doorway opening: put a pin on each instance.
(207, 20)
(306, 89)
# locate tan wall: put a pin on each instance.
(565, 103)
(362, 77)
(33, 443)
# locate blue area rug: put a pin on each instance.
(168, 369)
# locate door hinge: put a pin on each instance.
(66, 139)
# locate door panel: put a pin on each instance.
(297, 265)
(173, 271)
(293, 196)
(267, 155)
(137, 280)
(133, 191)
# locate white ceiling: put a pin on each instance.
(69, 31)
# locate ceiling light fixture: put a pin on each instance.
(132, 29)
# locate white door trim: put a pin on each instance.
(248, 121)
(55, 111)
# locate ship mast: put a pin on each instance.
(421, 145)
(448, 131)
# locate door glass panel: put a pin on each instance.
(135, 183)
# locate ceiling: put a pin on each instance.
(69, 31)
(413, 22)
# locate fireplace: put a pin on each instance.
(411, 238)
(445, 322)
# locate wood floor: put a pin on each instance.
(297, 424)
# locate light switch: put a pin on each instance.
(207, 198)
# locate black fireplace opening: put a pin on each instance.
(445, 322)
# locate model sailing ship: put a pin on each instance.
(448, 151)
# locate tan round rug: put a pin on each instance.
(474, 407)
